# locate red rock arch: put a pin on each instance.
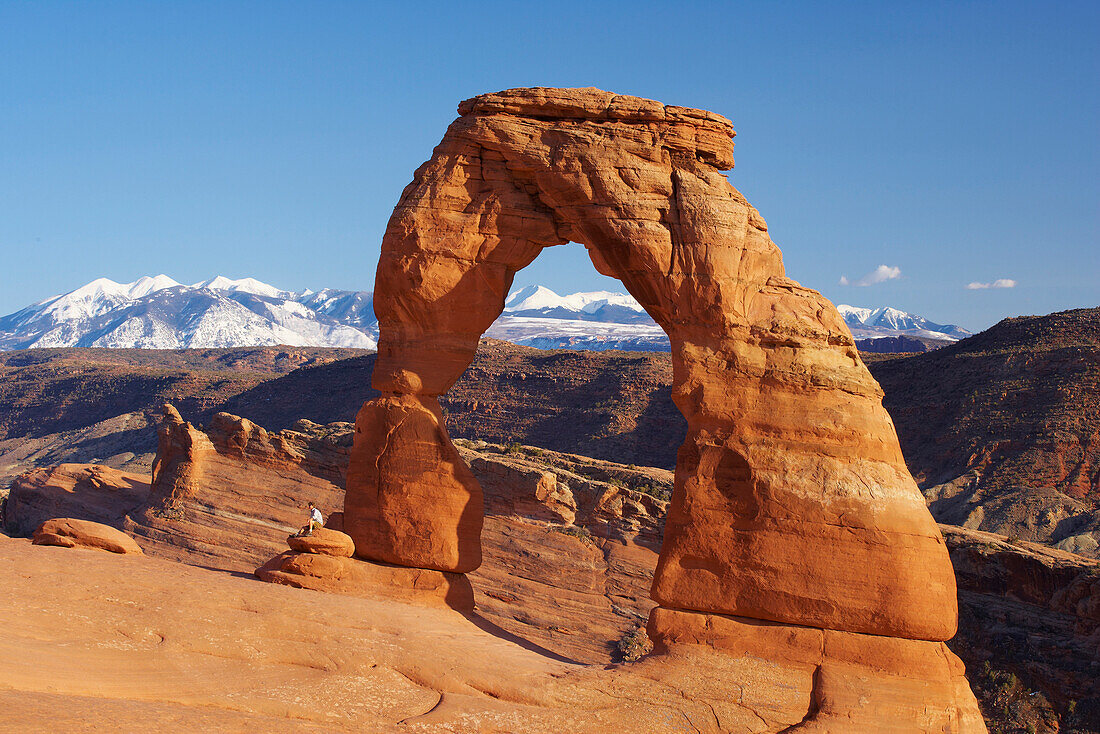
(792, 501)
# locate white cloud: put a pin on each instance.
(881, 274)
(998, 283)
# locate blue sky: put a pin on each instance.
(952, 142)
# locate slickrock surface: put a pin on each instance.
(72, 533)
(195, 649)
(792, 504)
(97, 493)
(353, 577)
(565, 587)
(582, 589)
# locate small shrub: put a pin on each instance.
(634, 644)
(581, 533)
(656, 491)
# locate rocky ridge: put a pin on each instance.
(1002, 429)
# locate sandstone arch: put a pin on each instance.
(792, 502)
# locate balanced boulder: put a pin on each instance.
(324, 542)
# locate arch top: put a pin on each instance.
(703, 133)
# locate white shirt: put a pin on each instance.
(315, 516)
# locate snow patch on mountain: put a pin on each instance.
(245, 285)
(538, 298)
(538, 301)
(160, 313)
(880, 322)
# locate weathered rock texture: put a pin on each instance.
(182, 454)
(353, 577)
(72, 533)
(96, 493)
(1032, 611)
(222, 483)
(401, 442)
(792, 500)
(325, 542)
(192, 649)
(227, 496)
(857, 682)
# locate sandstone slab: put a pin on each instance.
(354, 577)
(193, 648)
(854, 682)
(72, 533)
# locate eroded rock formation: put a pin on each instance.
(73, 533)
(792, 501)
(213, 491)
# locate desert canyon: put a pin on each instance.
(788, 576)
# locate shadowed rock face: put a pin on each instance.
(792, 502)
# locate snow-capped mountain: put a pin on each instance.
(873, 323)
(598, 320)
(159, 313)
(536, 301)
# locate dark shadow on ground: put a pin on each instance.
(497, 631)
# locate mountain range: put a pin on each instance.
(160, 313)
(875, 323)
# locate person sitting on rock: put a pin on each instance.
(316, 521)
